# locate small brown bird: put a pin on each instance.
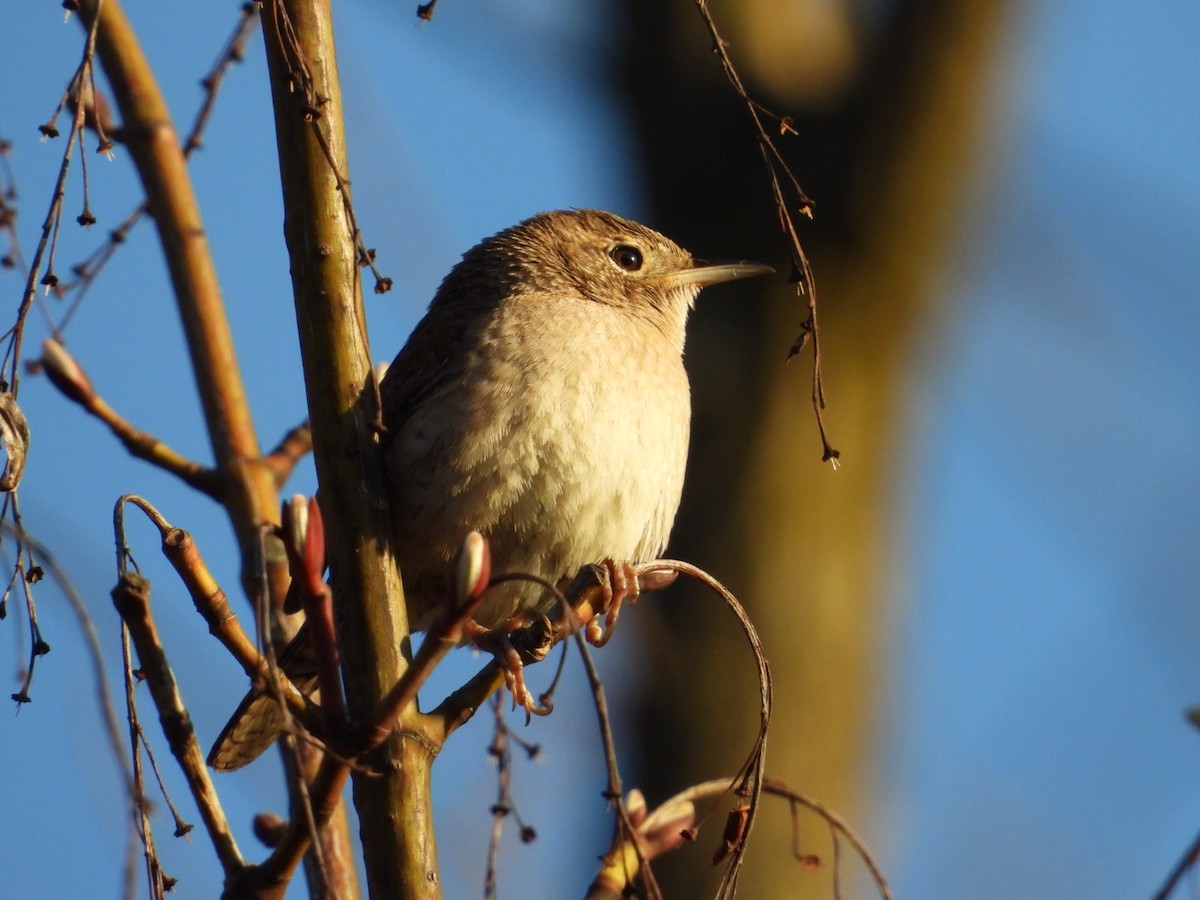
(541, 401)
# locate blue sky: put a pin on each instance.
(1038, 747)
(1046, 624)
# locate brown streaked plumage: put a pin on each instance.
(542, 401)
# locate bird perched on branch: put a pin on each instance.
(541, 401)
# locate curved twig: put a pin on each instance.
(720, 787)
(752, 770)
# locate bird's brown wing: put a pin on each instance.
(258, 720)
(429, 359)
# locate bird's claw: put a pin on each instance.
(618, 582)
(498, 642)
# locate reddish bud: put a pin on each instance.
(269, 828)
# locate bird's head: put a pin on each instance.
(591, 256)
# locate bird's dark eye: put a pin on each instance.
(627, 256)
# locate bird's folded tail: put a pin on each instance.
(259, 720)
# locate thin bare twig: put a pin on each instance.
(780, 173)
(50, 225)
(498, 750)
(292, 448)
(87, 271)
(132, 599)
(720, 787)
(104, 699)
(25, 573)
(233, 52)
(155, 877)
(129, 870)
(37, 645)
(11, 258)
(1185, 864)
(72, 381)
(182, 826)
(752, 772)
(301, 798)
(505, 806)
(302, 81)
(625, 828)
(212, 603)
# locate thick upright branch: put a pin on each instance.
(397, 833)
(246, 483)
(248, 489)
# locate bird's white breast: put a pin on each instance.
(561, 457)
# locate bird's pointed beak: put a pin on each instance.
(703, 274)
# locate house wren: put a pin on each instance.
(541, 401)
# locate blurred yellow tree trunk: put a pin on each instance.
(890, 139)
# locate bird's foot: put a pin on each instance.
(619, 582)
(498, 642)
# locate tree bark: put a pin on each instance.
(393, 803)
